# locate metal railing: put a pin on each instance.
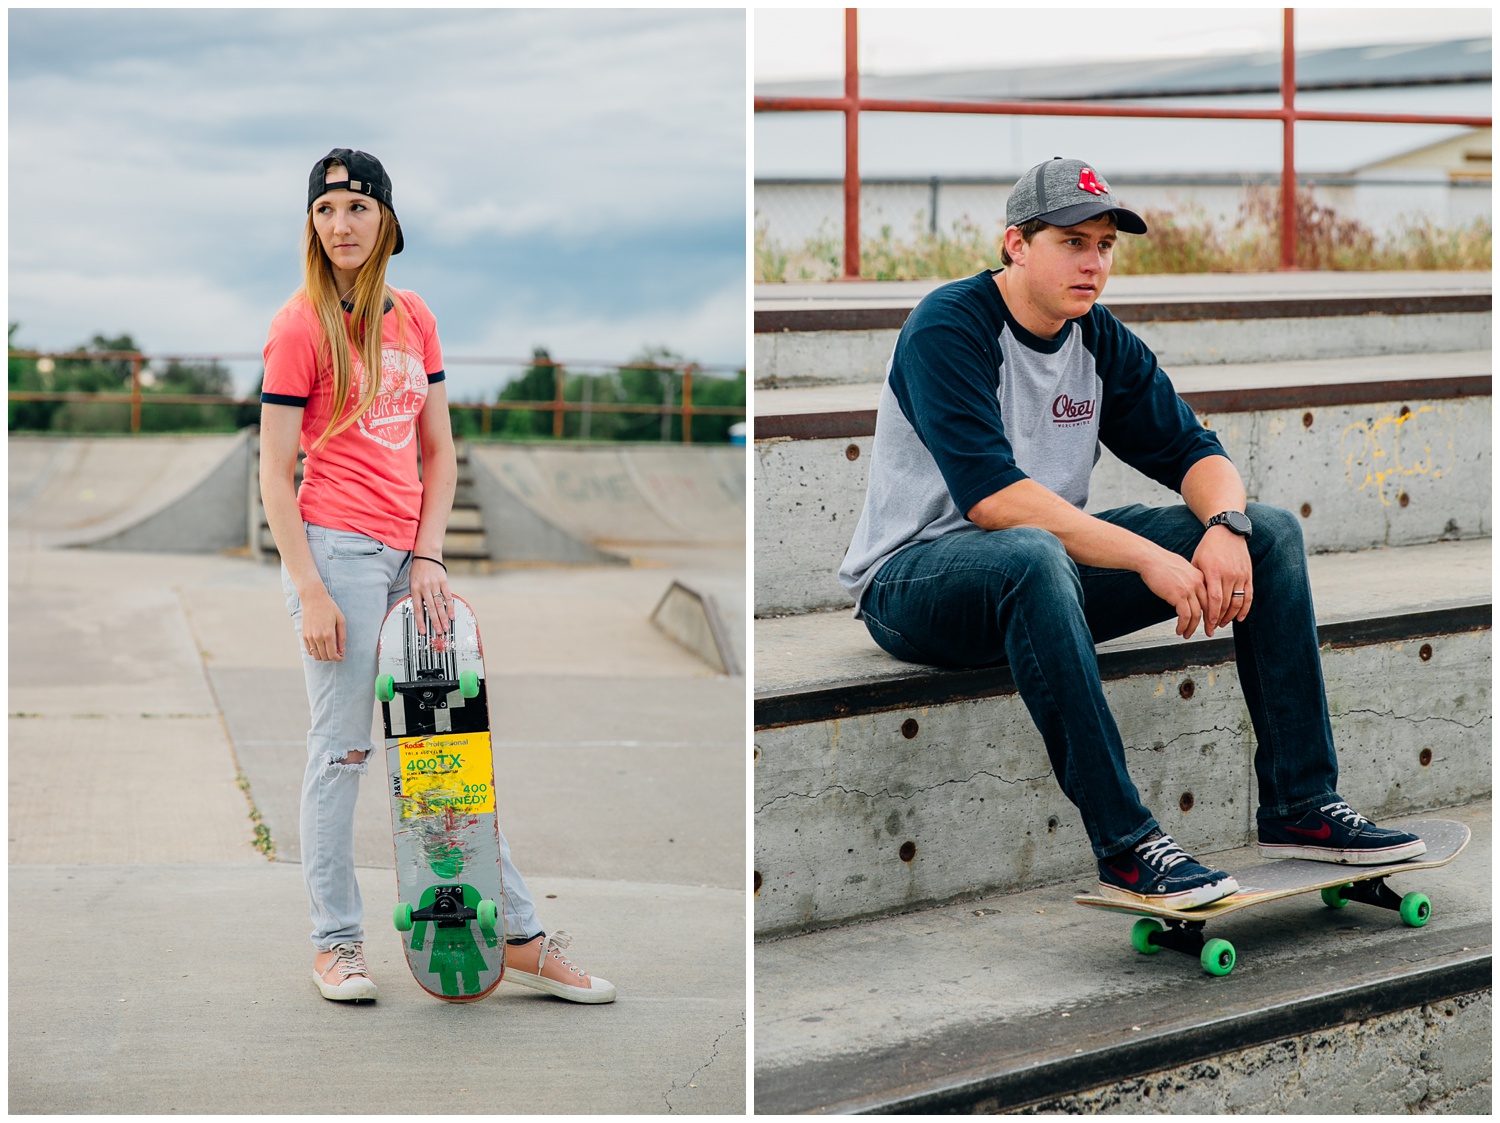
(851, 105)
(675, 403)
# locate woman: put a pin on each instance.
(362, 533)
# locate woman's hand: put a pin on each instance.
(323, 628)
(429, 590)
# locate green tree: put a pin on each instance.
(24, 375)
(717, 391)
(537, 384)
(212, 377)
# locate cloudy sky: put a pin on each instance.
(568, 179)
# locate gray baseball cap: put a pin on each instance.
(1064, 193)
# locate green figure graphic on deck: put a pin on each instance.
(454, 952)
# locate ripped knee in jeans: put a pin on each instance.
(353, 760)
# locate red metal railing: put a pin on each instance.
(557, 405)
(851, 105)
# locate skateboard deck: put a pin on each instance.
(1182, 929)
(441, 781)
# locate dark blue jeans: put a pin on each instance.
(988, 596)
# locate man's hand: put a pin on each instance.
(1179, 583)
(1223, 557)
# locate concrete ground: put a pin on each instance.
(159, 963)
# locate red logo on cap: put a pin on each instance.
(1088, 181)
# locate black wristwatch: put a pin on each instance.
(1237, 521)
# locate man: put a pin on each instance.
(973, 546)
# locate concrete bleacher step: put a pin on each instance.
(1026, 1002)
(1374, 451)
(882, 786)
(819, 333)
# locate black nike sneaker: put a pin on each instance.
(1336, 832)
(1156, 871)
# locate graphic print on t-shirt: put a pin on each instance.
(1065, 411)
(1049, 400)
(391, 418)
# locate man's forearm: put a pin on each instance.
(1088, 541)
(1213, 486)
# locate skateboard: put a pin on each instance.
(441, 777)
(1182, 929)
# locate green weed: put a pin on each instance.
(1181, 241)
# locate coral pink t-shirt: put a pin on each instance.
(365, 478)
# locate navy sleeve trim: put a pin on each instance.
(281, 399)
(436, 376)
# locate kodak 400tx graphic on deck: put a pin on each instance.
(441, 775)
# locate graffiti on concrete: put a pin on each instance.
(1380, 456)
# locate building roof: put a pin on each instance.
(1339, 68)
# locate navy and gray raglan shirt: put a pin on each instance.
(974, 402)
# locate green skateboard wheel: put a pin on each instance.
(1334, 897)
(385, 688)
(1217, 957)
(1140, 935)
(1415, 910)
(402, 918)
(488, 914)
(468, 683)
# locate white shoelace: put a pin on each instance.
(1163, 851)
(350, 961)
(555, 944)
(1345, 813)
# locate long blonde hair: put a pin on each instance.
(361, 331)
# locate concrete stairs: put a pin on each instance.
(465, 548)
(897, 805)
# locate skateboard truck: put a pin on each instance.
(430, 690)
(1414, 908)
(447, 911)
(1151, 934)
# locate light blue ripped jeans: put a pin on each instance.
(365, 578)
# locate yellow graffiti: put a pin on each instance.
(1375, 453)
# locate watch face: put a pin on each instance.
(1237, 522)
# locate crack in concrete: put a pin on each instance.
(887, 793)
(1414, 719)
(712, 1057)
(1233, 731)
(1237, 732)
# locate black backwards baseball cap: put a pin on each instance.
(1064, 193)
(366, 176)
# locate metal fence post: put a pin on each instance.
(1288, 131)
(851, 144)
(135, 392)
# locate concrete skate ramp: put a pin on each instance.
(616, 496)
(176, 494)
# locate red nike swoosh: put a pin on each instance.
(1322, 832)
(1129, 877)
